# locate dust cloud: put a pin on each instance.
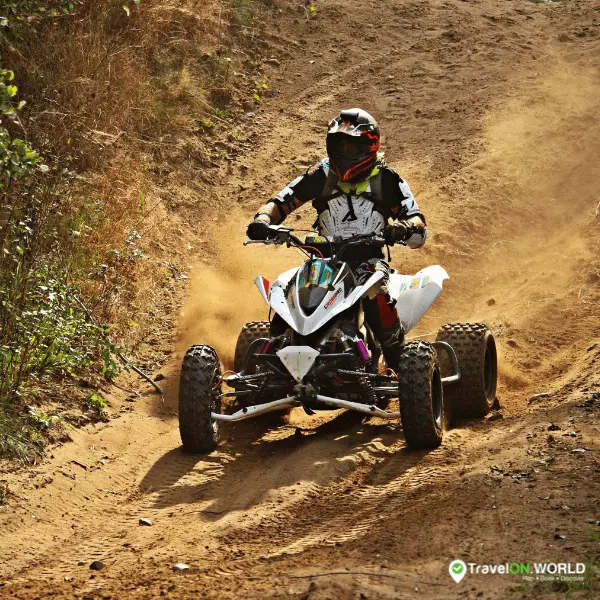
(542, 189)
(223, 296)
(525, 210)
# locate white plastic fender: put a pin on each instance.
(414, 294)
(363, 290)
(334, 303)
(263, 285)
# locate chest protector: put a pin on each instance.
(348, 209)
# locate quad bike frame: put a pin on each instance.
(305, 394)
(318, 353)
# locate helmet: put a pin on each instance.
(352, 144)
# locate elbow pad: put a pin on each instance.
(286, 201)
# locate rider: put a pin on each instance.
(355, 193)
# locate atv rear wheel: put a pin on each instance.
(250, 332)
(421, 393)
(199, 389)
(474, 395)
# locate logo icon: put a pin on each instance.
(457, 570)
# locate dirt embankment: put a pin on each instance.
(490, 112)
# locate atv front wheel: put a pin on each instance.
(250, 332)
(199, 389)
(474, 395)
(421, 393)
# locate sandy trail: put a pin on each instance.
(493, 121)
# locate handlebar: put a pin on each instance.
(374, 239)
(278, 235)
(283, 235)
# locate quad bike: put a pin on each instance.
(318, 352)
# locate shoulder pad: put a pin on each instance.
(391, 171)
(394, 173)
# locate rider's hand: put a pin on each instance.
(258, 230)
(397, 232)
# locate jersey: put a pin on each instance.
(345, 210)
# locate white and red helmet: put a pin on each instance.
(353, 140)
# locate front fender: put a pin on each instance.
(357, 293)
(274, 296)
(263, 286)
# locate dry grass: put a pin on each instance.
(127, 105)
(120, 97)
(104, 80)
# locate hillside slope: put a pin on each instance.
(489, 110)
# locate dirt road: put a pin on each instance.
(490, 111)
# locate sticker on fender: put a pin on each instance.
(415, 283)
(333, 298)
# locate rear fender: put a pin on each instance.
(414, 294)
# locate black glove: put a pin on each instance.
(258, 230)
(397, 232)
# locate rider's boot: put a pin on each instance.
(391, 341)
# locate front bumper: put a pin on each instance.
(250, 412)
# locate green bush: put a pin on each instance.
(17, 440)
(95, 401)
(29, 11)
(47, 332)
(44, 330)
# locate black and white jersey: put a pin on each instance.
(355, 210)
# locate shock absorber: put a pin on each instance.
(368, 393)
(363, 382)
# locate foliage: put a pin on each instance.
(40, 419)
(311, 9)
(43, 329)
(206, 123)
(16, 158)
(95, 401)
(46, 332)
(7, 92)
(16, 438)
(30, 11)
(110, 94)
(260, 88)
